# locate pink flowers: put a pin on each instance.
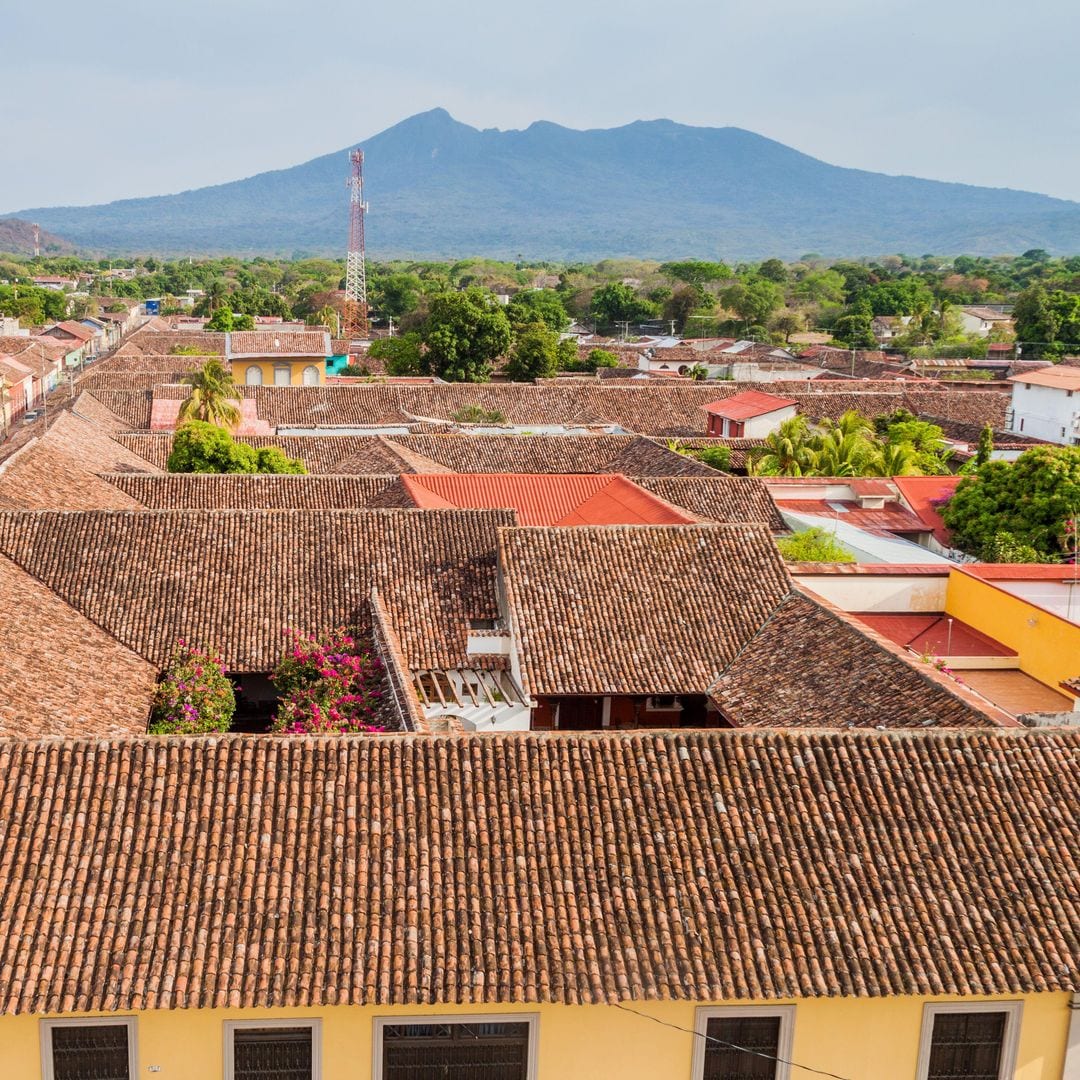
(330, 684)
(194, 696)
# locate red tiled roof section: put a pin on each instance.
(273, 343)
(726, 499)
(921, 492)
(748, 404)
(636, 609)
(934, 634)
(892, 517)
(59, 470)
(236, 580)
(812, 666)
(546, 499)
(248, 492)
(64, 676)
(593, 869)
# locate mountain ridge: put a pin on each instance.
(650, 188)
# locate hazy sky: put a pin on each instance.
(131, 97)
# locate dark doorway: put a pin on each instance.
(580, 713)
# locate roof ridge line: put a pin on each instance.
(793, 594)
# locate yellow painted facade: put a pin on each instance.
(269, 366)
(860, 1038)
(1047, 645)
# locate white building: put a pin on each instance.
(1046, 405)
(981, 320)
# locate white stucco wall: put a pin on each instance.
(1043, 411)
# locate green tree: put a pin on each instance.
(787, 322)
(813, 545)
(696, 272)
(927, 441)
(716, 457)
(534, 355)
(199, 447)
(396, 295)
(821, 287)
(985, 450)
(464, 334)
(773, 270)
(753, 301)
(243, 321)
(214, 398)
(855, 332)
(538, 305)
(618, 303)
(221, 320)
(401, 355)
(1032, 499)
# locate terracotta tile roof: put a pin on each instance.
(636, 609)
(748, 404)
(812, 666)
(278, 343)
(893, 517)
(62, 674)
(934, 633)
(244, 492)
(58, 471)
(130, 407)
(584, 499)
(657, 409)
(90, 408)
(727, 499)
(235, 580)
(1021, 571)
(72, 329)
(158, 340)
(694, 866)
(1058, 377)
(131, 364)
(921, 492)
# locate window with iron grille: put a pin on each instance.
(966, 1046)
(88, 1050)
(969, 1041)
(272, 1053)
(746, 1042)
(484, 1050)
(742, 1048)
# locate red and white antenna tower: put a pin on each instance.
(356, 309)
(37, 239)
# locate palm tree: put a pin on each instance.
(213, 397)
(895, 459)
(787, 452)
(842, 447)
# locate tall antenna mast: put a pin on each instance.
(37, 239)
(356, 309)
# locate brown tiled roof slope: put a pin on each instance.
(57, 471)
(695, 866)
(150, 340)
(636, 609)
(121, 364)
(730, 499)
(62, 674)
(90, 408)
(648, 409)
(131, 407)
(245, 492)
(810, 667)
(235, 580)
(284, 343)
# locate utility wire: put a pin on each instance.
(731, 1045)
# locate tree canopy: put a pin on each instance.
(465, 332)
(199, 447)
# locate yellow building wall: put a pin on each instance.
(239, 370)
(861, 1038)
(1048, 646)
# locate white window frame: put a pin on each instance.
(1010, 1039)
(312, 371)
(48, 1026)
(786, 1014)
(314, 1023)
(533, 1020)
(287, 369)
(253, 369)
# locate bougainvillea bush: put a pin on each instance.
(329, 685)
(194, 696)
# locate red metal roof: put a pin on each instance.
(1022, 571)
(747, 404)
(546, 499)
(930, 633)
(892, 517)
(921, 492)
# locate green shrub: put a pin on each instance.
(716, 457)
(199, 447)
(813, 545)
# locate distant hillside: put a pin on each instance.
(650, 189)
(17, 238)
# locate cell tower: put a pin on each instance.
(37, 239)
(356, 309)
